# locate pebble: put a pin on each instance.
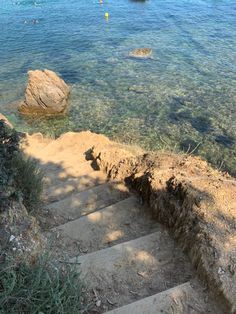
(12, 237)
(221, 271)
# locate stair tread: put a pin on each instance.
(58, 172)
(86, 202)
(180, 299)
(61, 189)
(120, 222)
(135, 269)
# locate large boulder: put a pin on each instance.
(46, 94)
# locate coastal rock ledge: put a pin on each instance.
(46, 94)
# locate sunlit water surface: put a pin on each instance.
(183, 98)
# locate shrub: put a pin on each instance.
(29, 181)
(9, 145)
(19, 177)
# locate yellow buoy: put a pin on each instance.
(101, 1)
(106, 15)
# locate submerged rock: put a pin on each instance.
(139, 89)
(46, 94)
(141, 53)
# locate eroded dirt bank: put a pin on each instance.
(195, 201)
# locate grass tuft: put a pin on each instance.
(40, 288)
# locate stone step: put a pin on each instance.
(86, 202)
(135, 269)
(180, 299)
(61, 188)
(117, 223)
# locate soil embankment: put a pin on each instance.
(195, 201)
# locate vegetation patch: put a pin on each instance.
(20, 178)
(29, 181)
(30, 281)
(39, 288)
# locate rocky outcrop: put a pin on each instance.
(141, 53)
(2, 117)
(46, 94)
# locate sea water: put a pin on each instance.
(183, 98)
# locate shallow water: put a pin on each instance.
(183, 98)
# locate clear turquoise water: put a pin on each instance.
(183, 98)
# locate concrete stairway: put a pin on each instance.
(129, 262)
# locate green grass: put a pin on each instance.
(41, 288)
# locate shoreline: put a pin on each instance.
(224, 165)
